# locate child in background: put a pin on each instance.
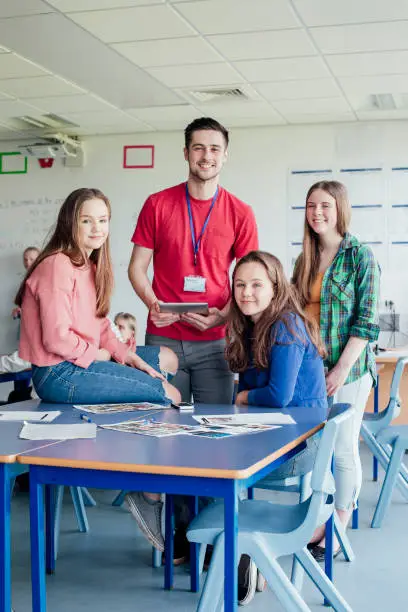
(66, 335)
(126, 324)
(12, 362)
(278, 353)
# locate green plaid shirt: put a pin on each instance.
(349, 305)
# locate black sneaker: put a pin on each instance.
(247, 578)
(181, 553)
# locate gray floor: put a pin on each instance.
(109, 569)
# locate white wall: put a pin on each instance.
(256, 172)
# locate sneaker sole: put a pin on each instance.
(260, 582)
(143, 526)
(252, 579)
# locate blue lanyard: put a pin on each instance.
(196, 245)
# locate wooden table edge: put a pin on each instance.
(25, 458)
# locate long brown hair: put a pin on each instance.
(307, 265)
(244, 337)
(65, 240)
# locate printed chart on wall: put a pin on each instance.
(379, 202)
(23, 222)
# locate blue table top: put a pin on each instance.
(10, 443)
(233, 457)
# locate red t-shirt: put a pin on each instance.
(163, 226)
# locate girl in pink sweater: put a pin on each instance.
(66, 336)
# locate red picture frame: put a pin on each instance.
(130, 166)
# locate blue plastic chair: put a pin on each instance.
(302, 486)
(268, 531)
(374, 424)
(80, 498)
(395, 437)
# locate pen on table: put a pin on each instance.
(86, 418)
(44, 416)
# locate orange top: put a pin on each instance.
(313, 307)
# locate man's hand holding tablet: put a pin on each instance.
(184, 307)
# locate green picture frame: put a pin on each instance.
(8, 153)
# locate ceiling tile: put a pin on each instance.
(102, 130)
(36, 87)
(70, 104)
(227, 16)
(70, 6)
(16, 108)
(262, 45)
(103, 118)
(363, 37)
(262, 120)
(183, 111)
(258, 71)
(169, 52)
(12, 66)
(239, 109)
(208, 75)
(131, 24)
(24, 7)
(166, 117)
(312, 105)
(322, 12)
(394, 84)
(382, 115)
(319, 118)
(355, 64)
(89, 62)
(294, 90)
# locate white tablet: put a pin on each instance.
(178, 307)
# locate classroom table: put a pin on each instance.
(10, 447)
(174, 465)
(382, 359)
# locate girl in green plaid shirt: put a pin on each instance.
(338, 280)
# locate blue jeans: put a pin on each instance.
(299, 465)
(101, 382)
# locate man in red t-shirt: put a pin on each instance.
(193, 266)
(193, 232)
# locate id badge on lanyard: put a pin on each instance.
(195, 283)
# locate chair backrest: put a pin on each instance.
(322, 478)
(393, 407)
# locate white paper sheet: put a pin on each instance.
(34, 431)
(268, 418)
(25, 415)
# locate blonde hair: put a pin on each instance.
(129, 318)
